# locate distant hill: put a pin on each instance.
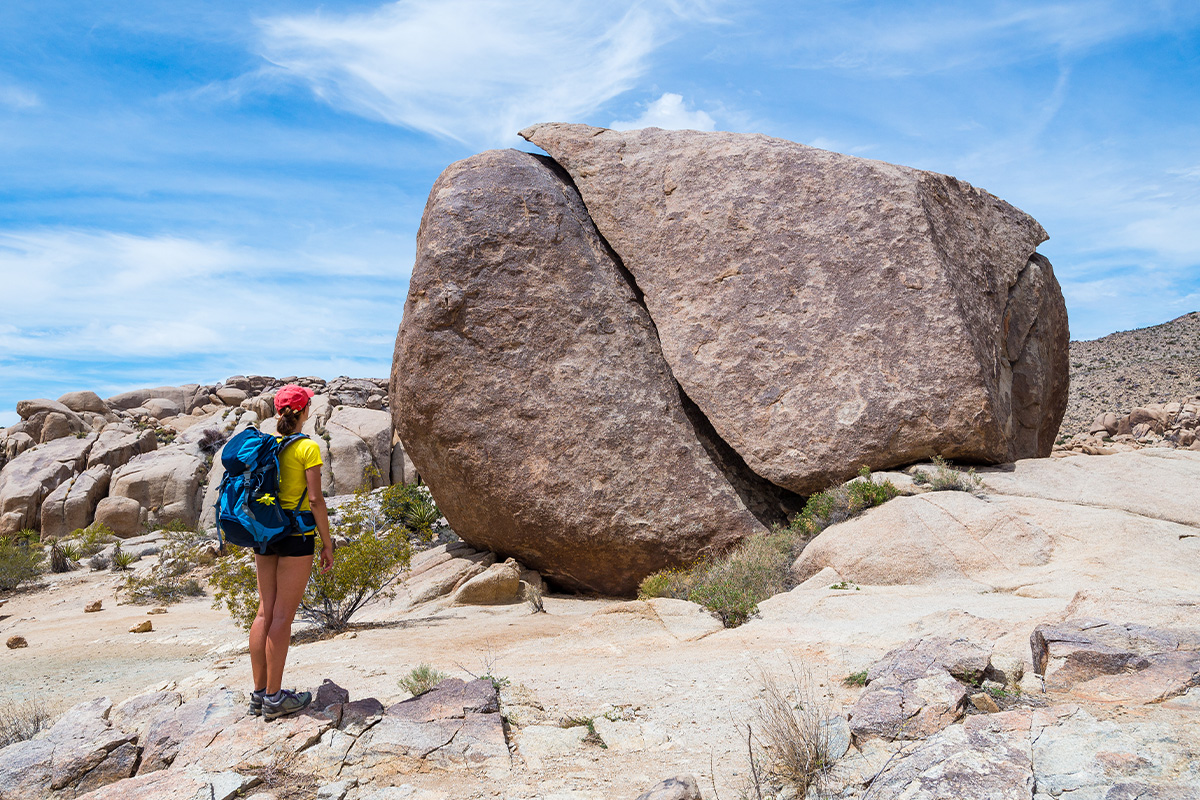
(1124, 370)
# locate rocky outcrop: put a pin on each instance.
(1174, 425)
(1128, 663)
(918, 688)
(892, 544)
(826, 311)
(531, 394)
(119, 443)
(358, 449)
(185, 397)
(167, 483)
(73, 504)
(744, 318)
(27, 480)
(82, 751)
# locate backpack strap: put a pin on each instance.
(294, 513)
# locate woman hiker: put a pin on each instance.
(284, 568)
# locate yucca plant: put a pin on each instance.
(62, 557)
(121, 560)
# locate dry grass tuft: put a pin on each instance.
(21, 720)
(788, 743)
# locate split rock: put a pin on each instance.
(826, 311)
(530, 391)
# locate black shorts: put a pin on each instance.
(296, 545)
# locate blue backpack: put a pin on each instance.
(248, 509)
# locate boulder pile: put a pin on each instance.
(1175, 424)
(152, 456)
(654, 343)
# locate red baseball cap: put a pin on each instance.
(293, 396)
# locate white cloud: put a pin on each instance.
(668, 112)
(78, 295)
(472, 71)
(18, 98)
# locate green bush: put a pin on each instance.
(93, 539)
(733, 584)
(841, 503)
(945, 478)
(421, 679)
(153, 589)
(410, 505)
(170, 579)
(363, 569)
(855, 679)
(20, 562)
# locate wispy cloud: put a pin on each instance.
(18, 97)
(923, 38)
(124, 300)
(668, 112)
(475, 72)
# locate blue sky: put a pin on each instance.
(194, 190)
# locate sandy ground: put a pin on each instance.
(689, 686)
(1124, 536)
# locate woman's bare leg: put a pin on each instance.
(265, 567)
(291, 576)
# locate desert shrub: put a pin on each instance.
(211, 440)
(365, 568)
(170, 579)
(20, 562)
(21, 720)
(93, 538)
(177, 526)
(788, 740)
(855, 679)
(733, 584)
(421, 679)
(945, 478)
(841, 503)
(410, 505)
(99, 562)
(154, 590)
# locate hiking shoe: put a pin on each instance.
(288, 703)
(256, 703)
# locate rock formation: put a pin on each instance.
(724, 322)
(531, 394)
(150, 456)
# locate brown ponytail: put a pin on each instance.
(289, 421)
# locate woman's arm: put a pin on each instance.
(320, 512)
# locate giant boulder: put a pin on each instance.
(531, 393)
(826, 311)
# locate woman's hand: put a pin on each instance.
(326, 556)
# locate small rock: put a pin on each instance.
(680, 787)
(94, 606)
(159, 610)
(145, 626)
(984, 702)
(16, 641)
(336, 791)
(327, 694)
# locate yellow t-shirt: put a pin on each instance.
(293, 461)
